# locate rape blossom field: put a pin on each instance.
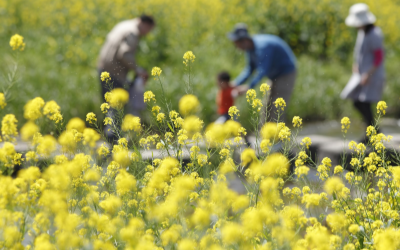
(75, 191)
(64, 39)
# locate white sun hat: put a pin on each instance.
(360, 16)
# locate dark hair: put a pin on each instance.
(368, 28)
(147, 19)
(224, 76)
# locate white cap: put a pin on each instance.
(359, 15)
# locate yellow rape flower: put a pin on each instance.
(155, 110)
(284, 134)
(354, 228)
(104, 107)
(76, 123)
(251, 95)
(192, 124)
(103, 150)
(270, 131)
(9, 127)
(125, 182)
(17, 42)
(297, 121)
(29, 130)
(90, 137)
(91, 118)
(188, 104)
(52, 111)
(3, 102)
(108, 121)
(280, 103)
(345, 124)
(248, 156)
(188, 57)
(306, 141)
(302, 171)
(118, 98)
(31, 156)
(160, 117)
(111, 204)
(381, 107)
(131, 122)
(105, 76)
(149, 96)
(233, 111)
(47, 145)
(264, 88)
(156, 71)
(32, 109)
(333, 185)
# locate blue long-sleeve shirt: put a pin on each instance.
(271, 57)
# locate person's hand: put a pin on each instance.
(364, 79)
(144, 75)
(355, 68)
(242, 89)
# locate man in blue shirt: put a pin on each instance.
(269, 56)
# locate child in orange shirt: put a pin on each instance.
(225, 96)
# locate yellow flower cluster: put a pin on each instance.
(264, 88)
(105, 76)
(52, 111)
(117, 98)
(188, 57)
(33, 109)
(131, 122)
(233, 112)
(17, 42)
(9, 127)
(3, 102)
(188, 104)
(156, 71)
(91, 118)
(252, 99)
(149, 96)
(381, 107)
(280, 103)
(297, 121)
(345, 124)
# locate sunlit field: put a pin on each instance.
(173, 179)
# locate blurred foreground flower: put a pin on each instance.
(17, 42)
(3, 102)
(131, 122)
(188, 104)
(118, 98)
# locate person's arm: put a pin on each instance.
(246, 73)
(377, 50)
(126, 53)
(263, 67)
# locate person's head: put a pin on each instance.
(146, 24)
(240, 37)
(223, 79)
(359, 16)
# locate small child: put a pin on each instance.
(225, 96)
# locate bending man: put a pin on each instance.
(270, 56)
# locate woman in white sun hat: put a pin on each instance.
(368, 61)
